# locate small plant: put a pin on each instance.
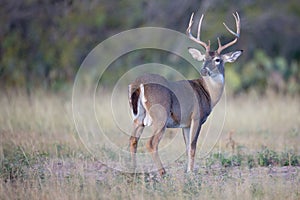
(225, 161)
(250, 161)
(236, 160)
(211, 160)
(289, 158)
(229, 161)
(267, 157)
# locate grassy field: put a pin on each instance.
(257, 155)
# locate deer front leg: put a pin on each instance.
(192, 145)
(134, 139)
(186, 137)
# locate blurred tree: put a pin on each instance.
(43, 42)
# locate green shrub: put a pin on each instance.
(289, 158)
(267, 157)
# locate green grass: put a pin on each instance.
(257, 156)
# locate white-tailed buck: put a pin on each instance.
(185, 104)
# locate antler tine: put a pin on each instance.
(197, 40)
(236, 34)
(199, 27)
(237, 19)
(188, 30)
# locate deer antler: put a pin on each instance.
(237, 34)
(197, 40)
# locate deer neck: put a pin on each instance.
(215, 87)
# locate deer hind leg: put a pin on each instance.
(133, 142)
(139, 113)
(159, 116)
(152, 147)
(192, 144)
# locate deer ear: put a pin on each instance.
(196, 54)
(232, 56)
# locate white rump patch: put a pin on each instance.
(142, 95)
(147, 120)
(142, 116)
(129, 92)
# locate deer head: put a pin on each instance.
(214, 60)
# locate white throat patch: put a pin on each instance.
(215, 86)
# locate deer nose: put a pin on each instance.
(205, 71)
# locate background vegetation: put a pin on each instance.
(42, 43)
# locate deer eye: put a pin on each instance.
(217, 60)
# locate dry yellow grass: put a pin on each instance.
(271, 121)
(56, 165)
